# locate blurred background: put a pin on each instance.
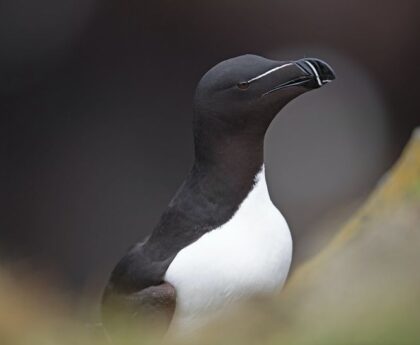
(95, 104)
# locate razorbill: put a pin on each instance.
(220, 239)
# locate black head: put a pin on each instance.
(242, 95)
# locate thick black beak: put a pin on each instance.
(312, 74)
(320, 71)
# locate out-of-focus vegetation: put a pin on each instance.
(364, 288)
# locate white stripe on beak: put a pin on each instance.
(315, 72)
(270, 71)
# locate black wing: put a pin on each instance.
(136, 289)
(136, 295)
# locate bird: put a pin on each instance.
(221, 239)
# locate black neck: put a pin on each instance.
(225, 154)
(231, 163)
(222, 176)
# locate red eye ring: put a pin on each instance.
(243, 85)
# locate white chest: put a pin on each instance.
(250, 254)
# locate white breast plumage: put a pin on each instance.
(250, 254)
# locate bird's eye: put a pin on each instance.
(243, 85)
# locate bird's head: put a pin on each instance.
(244, 94)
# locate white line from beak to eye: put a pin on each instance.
(270, 71)
(315, 72)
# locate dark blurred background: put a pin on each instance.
(95, 100)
